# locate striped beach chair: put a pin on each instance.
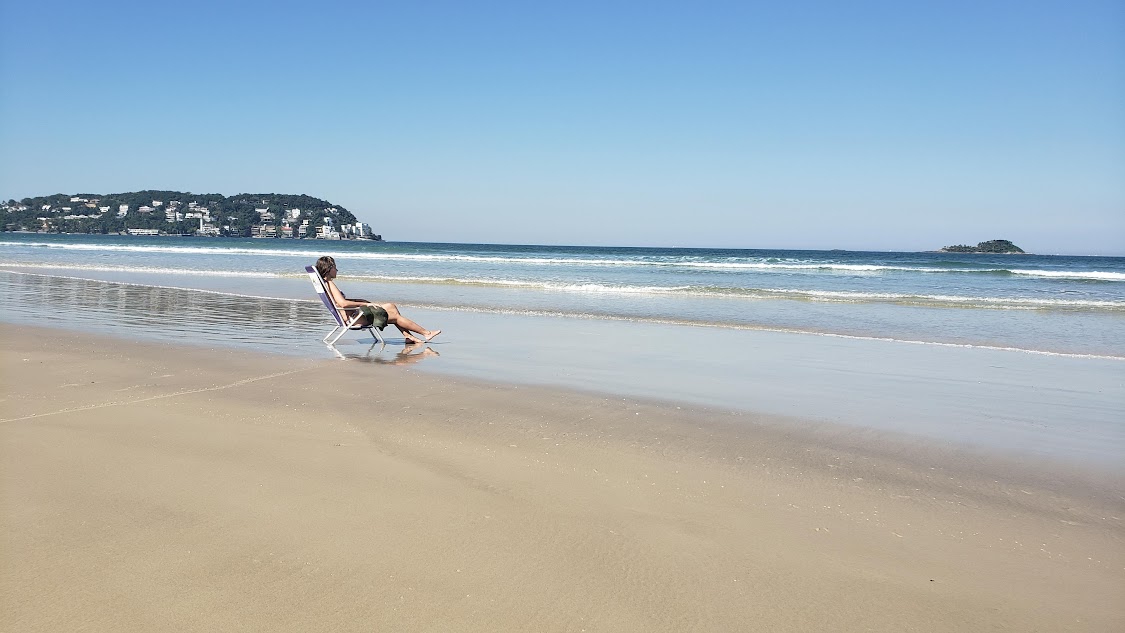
(338, 315)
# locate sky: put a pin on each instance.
(852, 125)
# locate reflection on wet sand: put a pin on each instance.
(193, 316)
(163, 313)
(410, 353)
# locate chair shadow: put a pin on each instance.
(409, 354)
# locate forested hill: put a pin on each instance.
(167, 211)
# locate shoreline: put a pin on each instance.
(594, 246)
(1030, 406)
(214, 487)
(299, 295)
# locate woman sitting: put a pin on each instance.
(326, 266)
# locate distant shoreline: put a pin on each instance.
(230, 237)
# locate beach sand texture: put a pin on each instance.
(148, 487)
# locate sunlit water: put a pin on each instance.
(1042, 303)
(1017, 353)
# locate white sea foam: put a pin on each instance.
(860, 297)
(850, 268)
(1066, 274)
(1025, 303)
(550, 286)
(760, 293)
(323, 248)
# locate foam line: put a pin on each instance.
(717, 292)
(613, 317)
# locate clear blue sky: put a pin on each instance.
(857, 125)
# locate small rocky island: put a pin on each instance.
(991, 246)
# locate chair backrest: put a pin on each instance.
(322, 292)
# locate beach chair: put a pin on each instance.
(338, 315)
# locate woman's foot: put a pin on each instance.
(411, 339)
(431, 335)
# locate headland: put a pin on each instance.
(152, 212)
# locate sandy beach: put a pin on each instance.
(150, 487)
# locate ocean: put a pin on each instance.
(994, 343)
(1037, 303)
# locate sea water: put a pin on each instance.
(1037, 303)
(1021, 353)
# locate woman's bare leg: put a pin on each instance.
(410, 338)
(407, 326)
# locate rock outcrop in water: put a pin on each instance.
(991, 246)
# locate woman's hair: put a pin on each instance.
(323, 265)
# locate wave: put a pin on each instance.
(948, 300)
(1072, 274)
(671, 291)
(835, 296)
(765, 264)
(323, 250)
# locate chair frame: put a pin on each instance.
(343, 324)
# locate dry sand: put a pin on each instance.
(150, 487)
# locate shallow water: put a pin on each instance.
(1059, 406)
(1070, 305)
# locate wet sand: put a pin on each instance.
(152, 487)
(1067, 409)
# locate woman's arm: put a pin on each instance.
(341, 301)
